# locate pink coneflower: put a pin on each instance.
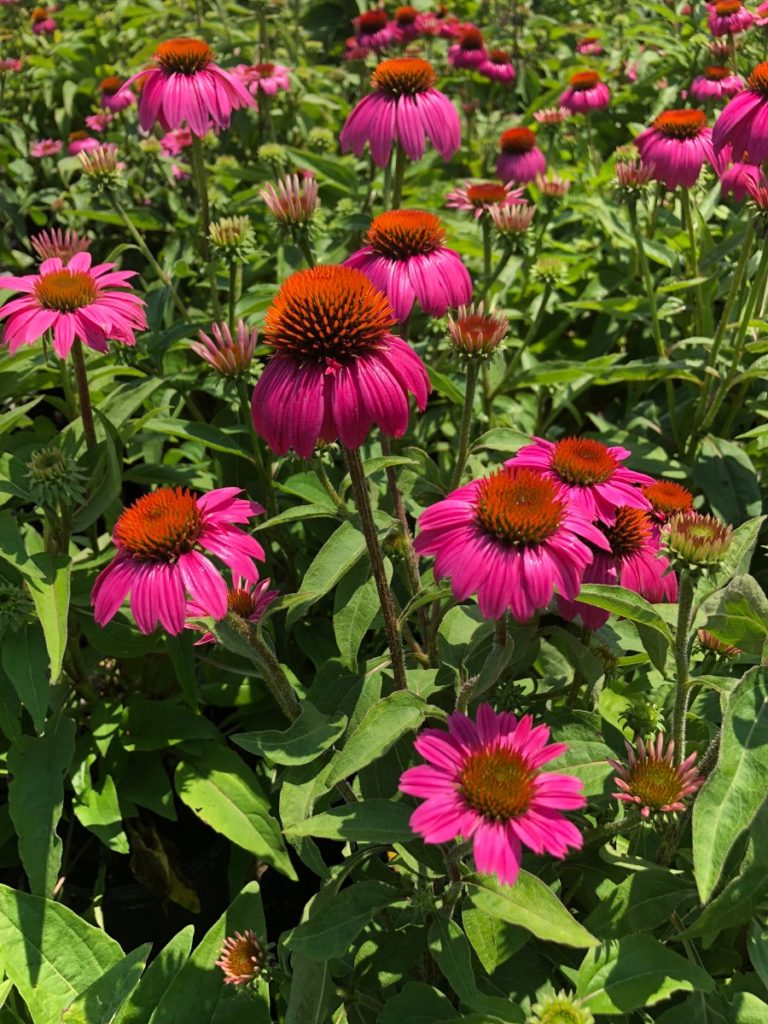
(406, 108)
(226, 353)
(520, 159)
(42, 22)
(475, 332)
(99, 122)
(428, 23)
(405, 256)
(469, 49)
(498, 67)
(551, 115)
(735, 177)
(585, 92)
(512, 220)
(81, 142)
(552, 185)
(667, 499)
(112, 95)
(45, 147)
(405, 26)
(729, 17)
(652, 781)
(592, 473)
(634, 174)
(354, 51)
(336, 369)
(714, 645)
(247, 600)
(743, 124)
(241, 958)
(511, 538)
(631, 70)
(762, 14)
(373, 30)
(55, 243)
(589, 46)
(267, 78)
(160, 540)
(677, 144)
(294, 201)
(716, 83)
(10, 64)
(484, 782)
(76, 301)
(185, 86)
(173, 143)
(477, 198)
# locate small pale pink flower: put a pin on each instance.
(173, 143)
(225, 353)
(294, 201)
(10, 64)
(552, 185)
(57, 243)
(477, 198)
(46, 147)
(241, 958)
(266, 78)
(551, 115)
(247, 600)
(81, 142)
(512, 220)
(99, 122)
(652, 781)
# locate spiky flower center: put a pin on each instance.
(401, 234)
(479, 333)
(497, 783)
(110, 84)
(66, 290)
(471, 39)
(241, 603)
(328, 312)
(630, 533)
(561, 1009)
(519, 506)
(370, 22)
(160, 526)
(486, 193)
(656, 783)
(668, 497)
(241, 958)
(184, 56)
(517, 140)
(404, 76)
(406, 15)
(265, 70)
(582, 462)
(77, 136)
(50, 464)
(499, 56)
(758, 79)
(681, 124)
(697, 538)
(584, 80)
(726, 7)
(716, 74)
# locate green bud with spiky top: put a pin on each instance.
(696, 542)
(15, 608)
(560, 1008)
(54, 478)
(550, 270)
(273, 153)
(232, 238)
(322, 139)
(642, 717)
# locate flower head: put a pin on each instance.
(248, 601)
(225, 353)
(520, 159)
(45, 147)
(185, 86)
(552, 186)
(336, 368)
(112, 95)
(715, 83)
(714, 645)
(94, 304)
(266, 78)
(99, 122)
(551, 115)
(697, 540)
(651, 780)
(241, 958)
(10, 64)
(373, 30)
(498, 67)
(667, 499)
(743, 124)
(16, 608)
(738, 179)
(231, 237)
(677, 144)
(101, 163)
(469, 49)
(585, 92)
(404, 107)
(160, 540)
(174, 142)
(589, 46)
(483, 781)
(405, 256)
(512, 220)
(560, 1008)
(632, 176)
(81, 142)
(728, 17)
(54, 477)
(294, 201)
(476, 332)
(478, 198)
(57, 243)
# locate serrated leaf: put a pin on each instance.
(307, 737)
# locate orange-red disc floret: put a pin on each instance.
(519, 506)
(370, 22)
(497, 783)
(160, 526)
(66, 290)
(498, 56)
(403, 76)
(401, 234)
(406, 15)
(582, 462)
(758, 79)
(328, 312)
(471, 39)
(583, 80)
(517, 140)
(630, 532)
(716, 74)
(726, 7)
(110, 84)
(681, 124)
(668, 497)
(240, 602)
(264, 69)
(184, 56)
(485, 193)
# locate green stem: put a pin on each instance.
(263, 464)
(386, 600)
(233, 627)
(688, 222)
(487, 256)
(530, 335)
(306, 249)
(329, 489)
(614, 828)
(466, 422)
(397, 177)
(232, 294)
(201, 183)
(84, 395)
(682, 661)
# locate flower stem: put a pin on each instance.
(702, 314)
(329, 489)
(397, 177)
(201, 183)
(487, 256)
(466, 423)
(263, 465)
(613, 828)
(306, 249)
(83, 393)
(363, 502)
(682, 659)
(241, 636)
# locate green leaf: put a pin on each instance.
(98, 809)
(620, 601)
(25, 660)
(530, 904)
(382, 725)
(341, 551)
(738, 614)
(38, 766)
(223, 791)
(418, 1004)
(355, 606)
(101, 1000)
(733, 794)
(501, 439)
(636, 971)
(367, 821)
(50, 953)
(331, 931)
(451, 952)
(312, 992)
(302, 742)
(52, 606)
(157, 725)
(493, 940)
(728, 479)
(757, 947)
(209, 437)
(140, 1004)
(638, 904)
(297, 514)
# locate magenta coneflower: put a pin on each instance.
(477, 332)
(94, 304)
(185, 86)
(112, 96)
(160, 540)
(247, 600)
(677, 144)
(99, 122)
(667, 499)
(267, 78)
(498, 67)
(589, 46)
(336, 370)
(484, 782)
(241, 958)
(294, 201)
(729, 17)
(585, 92)
(478, 197)
(469, 49)
(520, 159)
(762, 14)
(511, 538)
(743, 124)
(735, 179)
(716, 83)
(373, 30)
(406, 108)
(651, 780)
(405, 26)
(405, 256)
(42, 22)
(57, 243)
(81, 142)
(173, 143)
(591, 472)
(228, 354)
(45, 147)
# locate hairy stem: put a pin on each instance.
(466, 423)
(83, 393)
